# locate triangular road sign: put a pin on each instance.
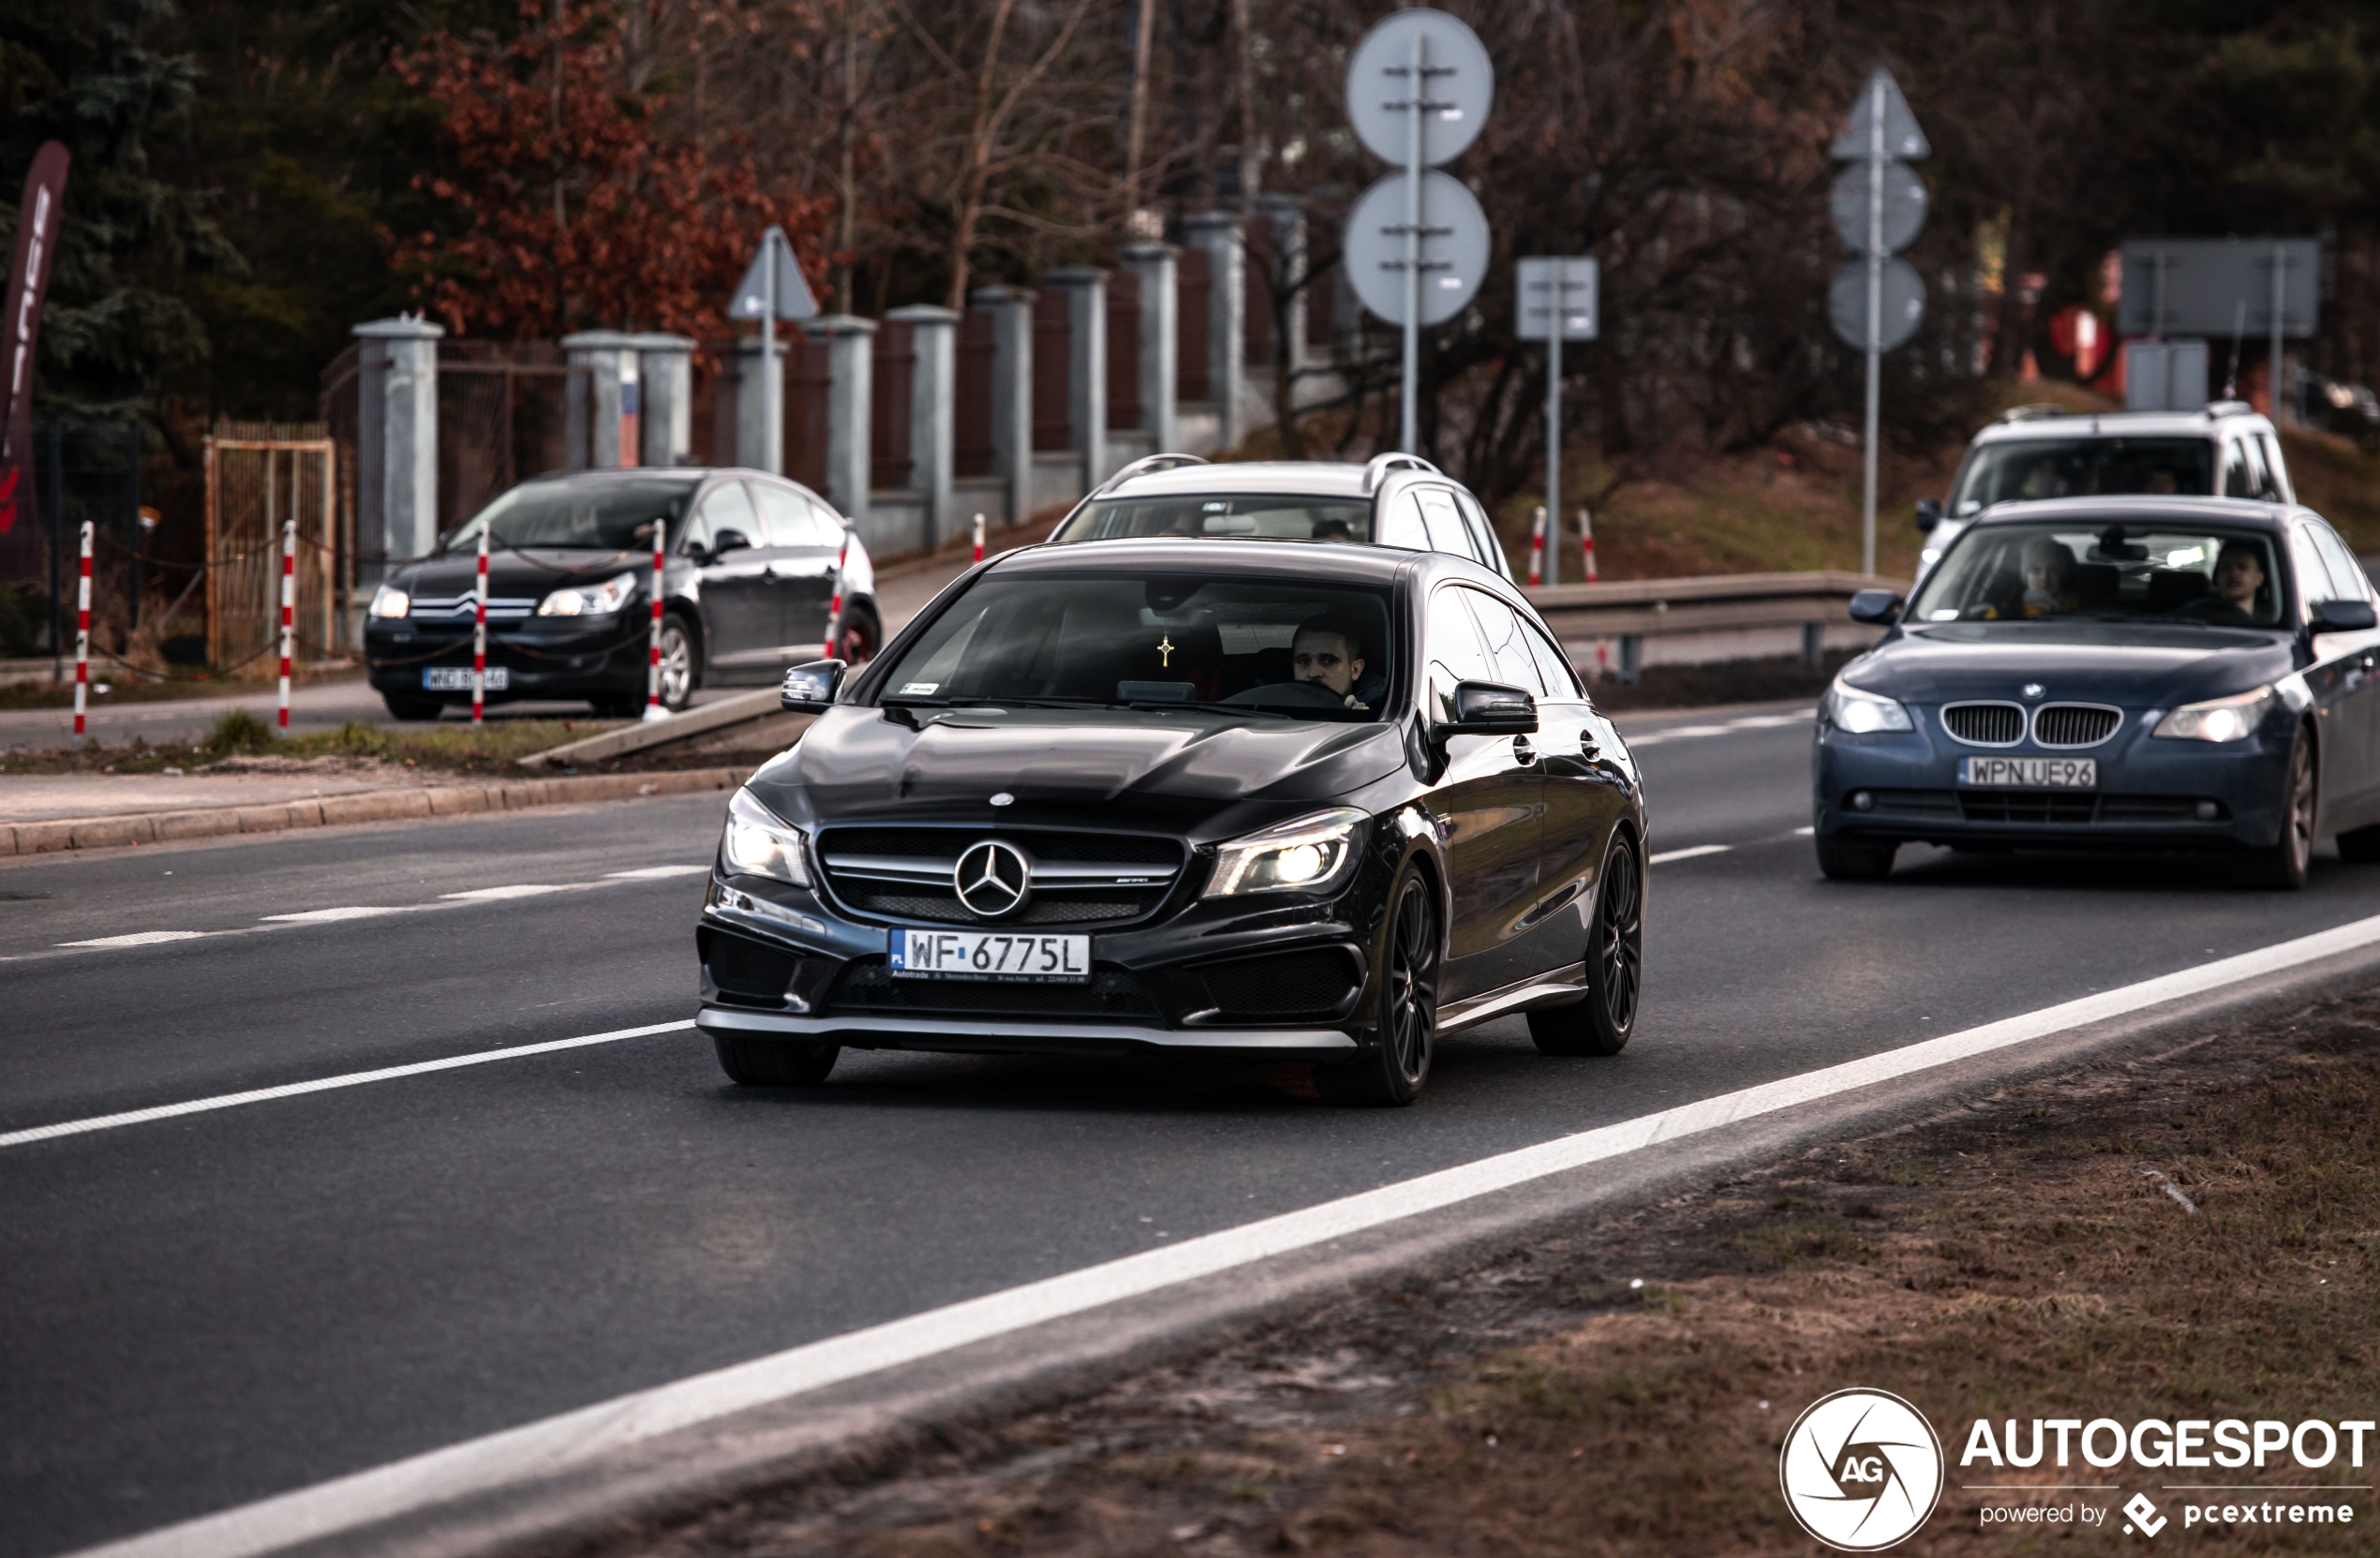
(1902, 138)
(794, 301)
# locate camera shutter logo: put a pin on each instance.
(1861, 1470)
(990, 878)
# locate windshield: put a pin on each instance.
(2023, 469)
(2012, 572)
(610, 515)
(1265, 646)
(1262, 516)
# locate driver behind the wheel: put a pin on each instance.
(1328, 652)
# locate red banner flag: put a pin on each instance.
(44, 194)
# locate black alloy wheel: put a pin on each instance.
(1844, 861)
(1390, 1073)
(2282, 863)
(774, 1062)
(680, 668)
(860, 637)
(1600, 1024)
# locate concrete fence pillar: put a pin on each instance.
(1286, 218)
(1011, 392)
(1160, 339)
(1086, 289)
(606, 406)
(1220, 234)
(665, 390)
(760, 442)
(851, 368)
(398, 403)
(933, 413)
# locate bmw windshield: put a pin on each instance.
(2105, 572)
(1261, 646)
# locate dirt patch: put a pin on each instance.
(1624, 1387)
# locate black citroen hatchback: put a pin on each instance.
(1321, 804)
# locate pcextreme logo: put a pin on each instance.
(1861, 1470)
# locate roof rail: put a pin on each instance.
(1378, 469)
(2032, 413)
(1143, 466)
(2228, 408)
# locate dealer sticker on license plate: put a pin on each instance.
(2030, 773)
(990, 955)
(457, 678)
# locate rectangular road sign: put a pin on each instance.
(1568, 282)
(2220, 286)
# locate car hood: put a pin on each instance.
(514, 575)
(2136, 666)
(1171, 770)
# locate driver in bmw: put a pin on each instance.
(1328, 651)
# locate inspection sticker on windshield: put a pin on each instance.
(2031, 772)
(990, 955)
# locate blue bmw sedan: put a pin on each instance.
(2145, 673)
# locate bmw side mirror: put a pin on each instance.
(1488, 708)
(1877, 607)
(1929, 514)
(2344, 616)
(810, 688)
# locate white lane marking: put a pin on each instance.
(517, 890)
(328, 916)
(139, 939)
(1695, 730)
(1668, 856)
(1770, 722)
(1804, 832)
(654, 873)
(324, 1084)
(1748, 722)
(577, 1438)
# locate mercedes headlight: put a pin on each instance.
(590, 599)
(1849, 709)
(756, 843)
(1307, 855)
(390, 602)
(2232, 718)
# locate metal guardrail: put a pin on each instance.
(1632, 610)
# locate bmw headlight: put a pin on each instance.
(1849, 709)
(1306, 855)
(756, 843)
(390, 602)
(590, 599)
(2232, 718)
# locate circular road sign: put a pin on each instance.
(1904, 303)
(1904, 206)
(1455, 246)
(1461, 86)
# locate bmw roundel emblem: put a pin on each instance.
(991, 878)
(2035, 689)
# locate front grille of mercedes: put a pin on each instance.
(868, 984)
(905, 873)
(1985, 724)
(2074, 724)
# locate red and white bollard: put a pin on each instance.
(289, 609)
(835, 604)
(653, 709)
(1587, 544)
(479, 635)
(1537, 549)
(83, 633)
(979, 537)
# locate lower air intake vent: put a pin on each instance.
(1315, 981)
(747, 970)
(867, 985)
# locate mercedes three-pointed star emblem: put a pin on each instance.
(991, 878)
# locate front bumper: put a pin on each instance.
(551, 658)
(2151, 795)
(788, 962)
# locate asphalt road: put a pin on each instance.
(199, 1311)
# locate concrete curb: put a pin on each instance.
(369, 806)
(758, 704)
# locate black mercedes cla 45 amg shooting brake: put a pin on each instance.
(1145, 796)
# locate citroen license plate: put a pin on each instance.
(1007, 956)
(2030, 773)
(457, 678)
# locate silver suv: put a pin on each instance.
(2037, 452)
(1395, 500)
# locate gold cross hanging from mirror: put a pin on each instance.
(1164, 651)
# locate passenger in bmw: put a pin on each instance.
(2238, 597)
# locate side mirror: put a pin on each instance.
(2344, 616)
(1878, 607)
(1488, 708)
(810, 688)
(729, 541)
(1929, 514)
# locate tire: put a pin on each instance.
(2282, 863)
(403, 707)
(681, 662)
(1845, 862)
(1600, 1024)
(859, 636)
(2361, 846)
(774, 1062)
(1391, 1072)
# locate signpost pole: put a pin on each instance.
(2279, 296)
(1875, 319)
(1418, 80)
(1554, 414)
(772, 386)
